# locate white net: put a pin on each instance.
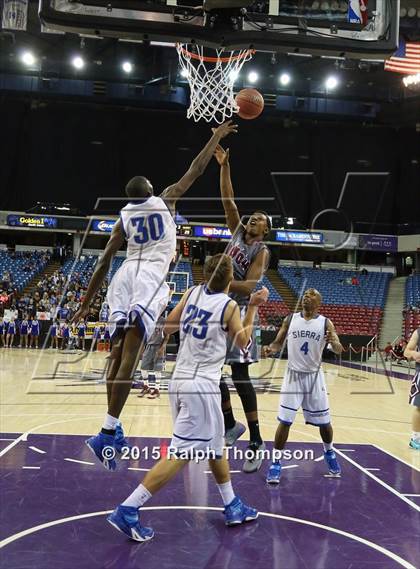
(211, 81)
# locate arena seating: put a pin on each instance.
(83, 268)
(272, 312)
(412, 305)
(22, 266)
(354, 309)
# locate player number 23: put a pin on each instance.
(150, 227)
(196, 322)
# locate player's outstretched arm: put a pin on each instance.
(101, 270)
(277, 345)
(233, 218)
(253, 275)
(332, 338)
(173, 321)
(410, 351)
(241, 331)
(198, 165)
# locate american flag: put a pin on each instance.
(406, 60)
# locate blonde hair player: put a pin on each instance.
(307, 334)
(412, 352)
(205, 317)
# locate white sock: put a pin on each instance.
(138, 497)
(154, 379)
(110, 422)
(327, 446)
(416, 436)
(226, 492)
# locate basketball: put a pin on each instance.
(250, 102)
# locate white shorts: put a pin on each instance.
(198, 423)
(306, 390)
(137, 293)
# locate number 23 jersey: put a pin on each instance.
(203, 336)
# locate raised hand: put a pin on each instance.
(225, 129)
(258, 298)
(222, 155)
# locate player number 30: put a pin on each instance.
(148, 228)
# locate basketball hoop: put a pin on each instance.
(211, 81)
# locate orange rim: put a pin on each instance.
(216, 59)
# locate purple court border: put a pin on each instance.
(309, 521)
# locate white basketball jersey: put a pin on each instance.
(150, 232)
(306, 342)
(203, 338)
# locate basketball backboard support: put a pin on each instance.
(270, 25)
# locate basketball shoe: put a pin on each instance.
(120, 441)
(126, 520)
(144, 391)
(414, 444)
(274, 473)
(332, 462)
(254, 463)
(237, 513)
(153, 393)
(103, 448)
(233, 434)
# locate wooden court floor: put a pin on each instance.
(50, 392)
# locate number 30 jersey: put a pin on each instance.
(203, 337)
(150, 232)
(138, 291)
(306, 342)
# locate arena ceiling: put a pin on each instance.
(359, 80)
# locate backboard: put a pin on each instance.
(348, 28)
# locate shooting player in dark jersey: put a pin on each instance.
(250, 258)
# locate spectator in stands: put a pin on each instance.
(11, 331)
(355, 281)
(24, 325)
(54, 331)
(81, 335)
(388, 351)
(4, 298)
(65, 335)
(364, 272)
(6, 280)
(398, 351)
(92, 316)
(63, 313)
(34, 330)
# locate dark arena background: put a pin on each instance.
(94, 93)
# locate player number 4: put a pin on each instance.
(305, 348)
